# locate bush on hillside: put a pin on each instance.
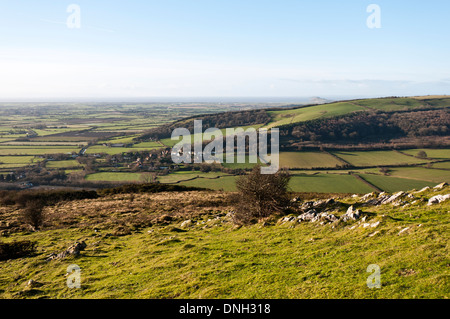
(261, 195)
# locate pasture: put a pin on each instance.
(114, 177)
(308, 160)
(431, 153)
(377, 158)
(395, 184)
(328, 183)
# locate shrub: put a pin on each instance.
(33, 214)
(422, 154)
(261, 195)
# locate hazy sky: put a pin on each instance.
(203, 48)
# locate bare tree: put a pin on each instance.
(148, 178)
(261, 195)
(33, 214)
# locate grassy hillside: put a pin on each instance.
(137, 248)
(303, 114)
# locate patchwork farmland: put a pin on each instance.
(93, 144)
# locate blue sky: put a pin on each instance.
(226, 48)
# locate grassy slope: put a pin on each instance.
(311, 113)
(284, 117)
(214, 259)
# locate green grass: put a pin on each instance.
(390, 104)
(98, 149)
(298, 261)
(246, 165)
(226, 183)
(395, 184)
(122, 139)
(17, 159)
(148, 145)
(445, 165)
(307, 160)
(431, 153)
(419, 173)
(62, 164)
(328, 183)
(24, 150)
(377, 158)
(312, 112)
(114, 177)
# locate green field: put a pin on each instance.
(377, 158)
(62, 164)
(443, 165)
(395, 184)
(226, 183)
(246, 165)
(183, 175)
(121, 139)
(114, 177)
(99, 149)
(431, 153)
(308, 160)
(210, 180)
(328, 183)
(24, 150)
(423, 174)
(17, 159)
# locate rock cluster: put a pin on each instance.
(320, 211)
(73, 250)
(438, 199)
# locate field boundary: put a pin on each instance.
(362, 179)
(200, 177)
(338, 158)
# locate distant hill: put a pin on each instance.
(369, 123)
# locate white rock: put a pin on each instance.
(367, 196)
(186, 223)
(440, 186)
(373, 225)
(394, 197)
(438, 199)
(423, 190)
